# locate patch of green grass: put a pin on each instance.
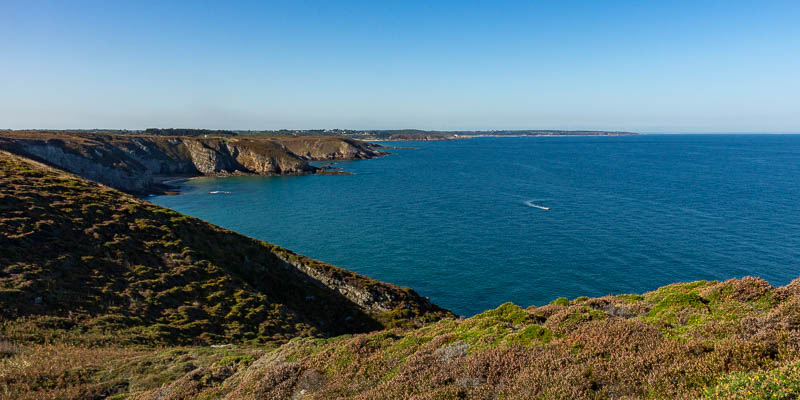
(679, 312)
(579, 299)
(581, 315)
(780, 383)
(507, 312)
(676, 301)
(531, 335)
(561, 301)
(658, 295)
(630, 298)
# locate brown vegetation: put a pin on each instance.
(658, 345)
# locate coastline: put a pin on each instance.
(171, 185)
(458, 137)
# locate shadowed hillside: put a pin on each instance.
(82, 263)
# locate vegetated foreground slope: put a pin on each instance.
(134, 163)
(717, 340)
(734, 339)
(90, 278)
(83, 263)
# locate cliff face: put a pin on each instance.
(134, 163)
(77, 254)
(329, 148)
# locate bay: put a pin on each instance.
(464, 221)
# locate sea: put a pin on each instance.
(475, 223)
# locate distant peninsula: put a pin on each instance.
(106, 295)
(362, 134)
(423, 135)
(139, 163)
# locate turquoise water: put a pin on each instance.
(454, 219)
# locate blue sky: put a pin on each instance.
(694, 66)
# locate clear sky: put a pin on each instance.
(693, 66)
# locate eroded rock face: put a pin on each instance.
(268, 158)
(365, 293)
(339, 149)
(133, 163)
(131, 178)
(210, 157)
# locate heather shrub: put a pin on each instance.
(561, 301)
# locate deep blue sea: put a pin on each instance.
(455, 219)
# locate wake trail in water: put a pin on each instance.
(530, 203)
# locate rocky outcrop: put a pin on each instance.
(135, 163)
(366, 293)
(266, 157)
(132, 178)
(316, 148)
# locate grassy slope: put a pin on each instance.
(733, 339)
(83, 263)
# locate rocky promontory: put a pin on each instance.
(138, 163)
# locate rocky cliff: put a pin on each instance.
(136, 163)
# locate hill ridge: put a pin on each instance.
(76, 253)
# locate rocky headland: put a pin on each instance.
(140, 163)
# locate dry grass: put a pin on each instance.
(734, 339)
(700, 339)
(8, 349)
(57, 372)
(73, 372)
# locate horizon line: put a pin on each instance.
(429, 130)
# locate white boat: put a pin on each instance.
(530, 204)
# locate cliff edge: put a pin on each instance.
(138, 163)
